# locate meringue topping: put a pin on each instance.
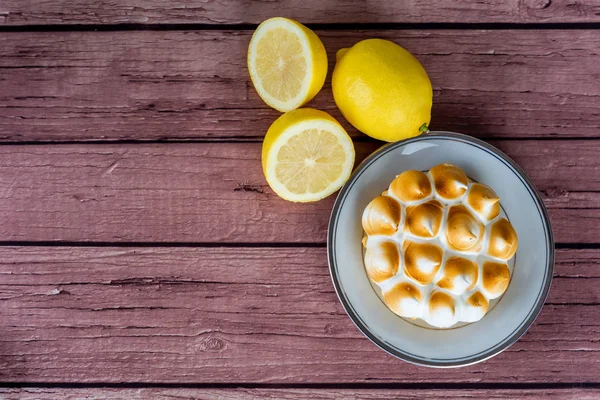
(450, 181)
(441, 310)
(382, 261)
(484, 201)
(439, 246)
(404, 299)
(422, 261)
(382, 216)
(495, 278)
(503, 240)
(476, 306)
(425, 219)
(411, 186)
(463, 231)
(459, 275)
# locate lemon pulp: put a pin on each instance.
(307, 155)
(287, 63)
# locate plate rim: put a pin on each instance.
(550, 250)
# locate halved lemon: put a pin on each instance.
(287, 63)
(307, 155)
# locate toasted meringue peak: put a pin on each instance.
(449, 180)
(422, 260)
(459, 275)
(425, 219)
(484, 201)
(404, 299)
(476, 306)
(382, 216)
(382, 261)
(503, 240)
(463, 231)
(411, 186)
(495, 277)
(441, 309)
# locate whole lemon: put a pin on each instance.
(382, 90)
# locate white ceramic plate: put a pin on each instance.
(534, 263)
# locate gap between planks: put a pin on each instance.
(248, 139)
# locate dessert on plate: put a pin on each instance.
(438, 246)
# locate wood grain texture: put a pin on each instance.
(245, 316)
(194, 84)
(216, 192)
(295, 394)
(51, 12)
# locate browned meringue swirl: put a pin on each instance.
(463, 231)
(422, 260)
(382, 216)
(495, 277)
(450, 181)
(425, 219)
(396, 296)
(411, 186)
(478, 302)
(440, 301)
(382, 261)
(503, 241)
(461, 269)
(484, 201)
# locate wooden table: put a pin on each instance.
(143, 254)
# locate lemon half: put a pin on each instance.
(306, 155)
(287, 63)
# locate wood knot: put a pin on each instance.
(329, 329)
(245, 187)
(58, 291)
(537, 4)
(554, 193)
(212, 344)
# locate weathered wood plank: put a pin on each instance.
(244, 315)
(26, 12)
(575, 269)
(177, 193)
(295, 394)
(194, 84)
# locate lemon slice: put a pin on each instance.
(287, 63)
(307, 155)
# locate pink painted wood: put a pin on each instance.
(256, 311)
(216, 192)
(297, 394)
(26, 12)
(244, 315)
(194, 84)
